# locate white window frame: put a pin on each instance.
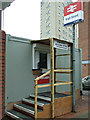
(40, 48)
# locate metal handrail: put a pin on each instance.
(36, 80)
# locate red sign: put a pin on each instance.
(44, 80)
(72, 8)
(73, 13)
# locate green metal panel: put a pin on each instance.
(64, 61)
(20, 81)
(5, 3)
(77, 69)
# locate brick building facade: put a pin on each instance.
(2, 73)
(84, 40)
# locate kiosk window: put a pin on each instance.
(43, 60)
(41, 56)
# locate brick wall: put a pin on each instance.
(89, 31)
(89, 36)
(2, 73)
(84, 38)
(83, 33)
(85, 70)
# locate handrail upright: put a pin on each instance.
(36, 81)
(35, 99)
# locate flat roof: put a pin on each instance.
(5, 3)
(47, 41)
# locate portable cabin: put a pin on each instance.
(38, 77)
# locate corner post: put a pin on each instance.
(35, 100)
(55, 52)
(71, 57)
(73, 75)
(52, 76)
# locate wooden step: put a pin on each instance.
(47, 99)
(39, 100)
(62, 105)
(31, 103)
(17, 115)
(23, 108)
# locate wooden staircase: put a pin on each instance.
(25, 109)
(49, 104)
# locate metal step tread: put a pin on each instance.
(26, 108)
(56, 94)
(41, 97)
(39, 101)
(17, 115)
(32, 102)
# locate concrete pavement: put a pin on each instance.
(83, 115)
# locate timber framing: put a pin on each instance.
(53, 71)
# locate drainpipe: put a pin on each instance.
(0, 18)
(73, 76)
(80, 71)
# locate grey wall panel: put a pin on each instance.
(77, 69)
(20, 81)
(64, 61)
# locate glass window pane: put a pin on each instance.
(43, 60)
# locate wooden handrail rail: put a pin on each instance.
(65, 83)
(38, 78)
(62, 70)
(41, 86)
